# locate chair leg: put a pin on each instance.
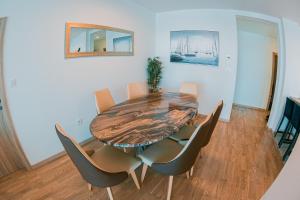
(291, 146)
(285, 133)
(111, 197)
(133, 175)
(191, 172)
(170, 187)
(279, 126)
(287, 152)
(295, 138)
(200, 152)
(90, 186)
(144, 170)
(187, 174)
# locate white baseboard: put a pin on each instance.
(60, 154)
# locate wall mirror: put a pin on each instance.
(96, 40)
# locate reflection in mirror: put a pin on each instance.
(94, 40)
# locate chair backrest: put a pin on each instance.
(89, 170)
(216, 116)
(103, 100)
(189, 88)
(295, 121)
(136, 90)
(188, 155)
(289, 107)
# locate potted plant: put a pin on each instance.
(154, 71)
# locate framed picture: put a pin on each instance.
(195, 47)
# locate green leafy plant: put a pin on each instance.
(154, 71)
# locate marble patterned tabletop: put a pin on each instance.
(143, 121)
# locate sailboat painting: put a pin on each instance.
(195, 47)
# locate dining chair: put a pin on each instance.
(293, 130)
(215, 119)
(287, 114)
(189, 88)
(104, 100)
(170, 158)
(185, 133)
(136, 90)
(105, 167)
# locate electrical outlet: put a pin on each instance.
(13, 83)
(80, 122)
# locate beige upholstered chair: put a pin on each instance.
(136, 90)
(105, 167)
(189, 88)
(104, 100)
(170, 158)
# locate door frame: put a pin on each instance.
(273, 79)
(6, 112)
(279, 98)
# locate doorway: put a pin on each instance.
(257, 63)
(12, 157)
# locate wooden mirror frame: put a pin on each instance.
(69, 54)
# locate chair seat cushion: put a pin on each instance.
(113, 160)
(184, 133)
(161, 152)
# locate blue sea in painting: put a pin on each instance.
(194, 59)
(195, 47)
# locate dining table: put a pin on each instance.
(143, 121)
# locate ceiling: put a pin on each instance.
(279, 8)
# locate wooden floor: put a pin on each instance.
(240, 163)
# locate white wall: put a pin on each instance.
(215, 83)
(254, 71)
(51, 88)
(292, 44)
